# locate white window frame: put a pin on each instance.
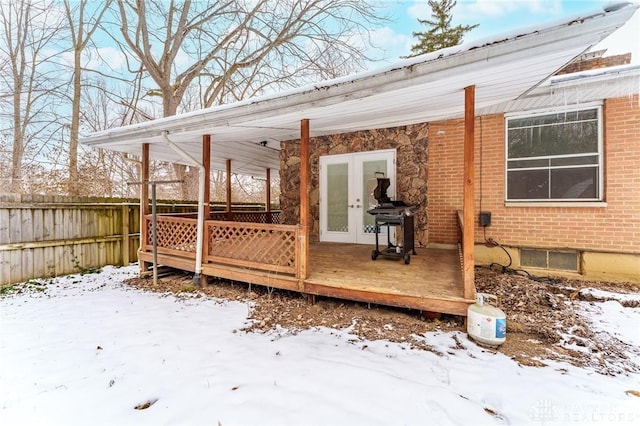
(560, 201)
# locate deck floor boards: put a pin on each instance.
(431, 273)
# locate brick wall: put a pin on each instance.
(445, 173)
(595, 63)
(614, 228)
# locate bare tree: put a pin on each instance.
(82, 23)
(233, 49)
(29, 28)
(101, 172)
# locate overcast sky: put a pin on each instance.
(495, 17)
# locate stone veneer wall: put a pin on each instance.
(411, 170)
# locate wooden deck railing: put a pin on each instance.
(176, 235)
(242, 216)
(263, 246)
(460, 221)
(266, 247)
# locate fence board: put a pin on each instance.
(15, 226)
(47, 224)
(67, 220)
(27, 263)
(15, 268)
(39, 267)
(58, 260)
(73, 230)
(26, 220)
(38, 224)
(58, 229)
(5, 266)
(4, 226)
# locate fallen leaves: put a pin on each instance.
(146, 404)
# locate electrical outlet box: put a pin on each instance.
(485, 218)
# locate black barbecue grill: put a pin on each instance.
(392, 213)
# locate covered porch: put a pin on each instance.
(461, 82)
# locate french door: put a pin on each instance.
(347, 182)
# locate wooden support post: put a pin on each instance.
(268, 194)
(206, 162)
(228, 210)
(468, 231)
(144, 204)
(304, 199)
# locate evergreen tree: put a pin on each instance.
(440, 33)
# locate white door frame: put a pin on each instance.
(358, 202)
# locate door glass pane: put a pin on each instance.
(369, 169)
(337, 194)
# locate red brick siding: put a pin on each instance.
(613, 228)
(445, 173)
(595, 63)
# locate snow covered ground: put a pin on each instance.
(88, 350)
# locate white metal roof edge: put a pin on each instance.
(360, 85)
(619, 71)
(596, 86)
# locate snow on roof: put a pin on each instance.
(597, 72)
(570, 90)
(420, 89)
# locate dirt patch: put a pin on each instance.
(543, 322)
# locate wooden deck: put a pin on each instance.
(431, 282)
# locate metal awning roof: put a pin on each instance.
(576, 89)
(421, 89)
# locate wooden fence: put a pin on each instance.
(46, 236)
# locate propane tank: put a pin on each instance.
(486, 324)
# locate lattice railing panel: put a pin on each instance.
(252, 217)
(218, 215)
(256, 217)
(174, 233)
(259, 246)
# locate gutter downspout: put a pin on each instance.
(200, 226)
(138, 163)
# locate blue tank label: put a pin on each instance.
(501, 327)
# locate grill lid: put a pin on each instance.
(385, 204)
(380, 191)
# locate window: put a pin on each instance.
(565, 261)
(555, 156)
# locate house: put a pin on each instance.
(570, 208)
(440, 126)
